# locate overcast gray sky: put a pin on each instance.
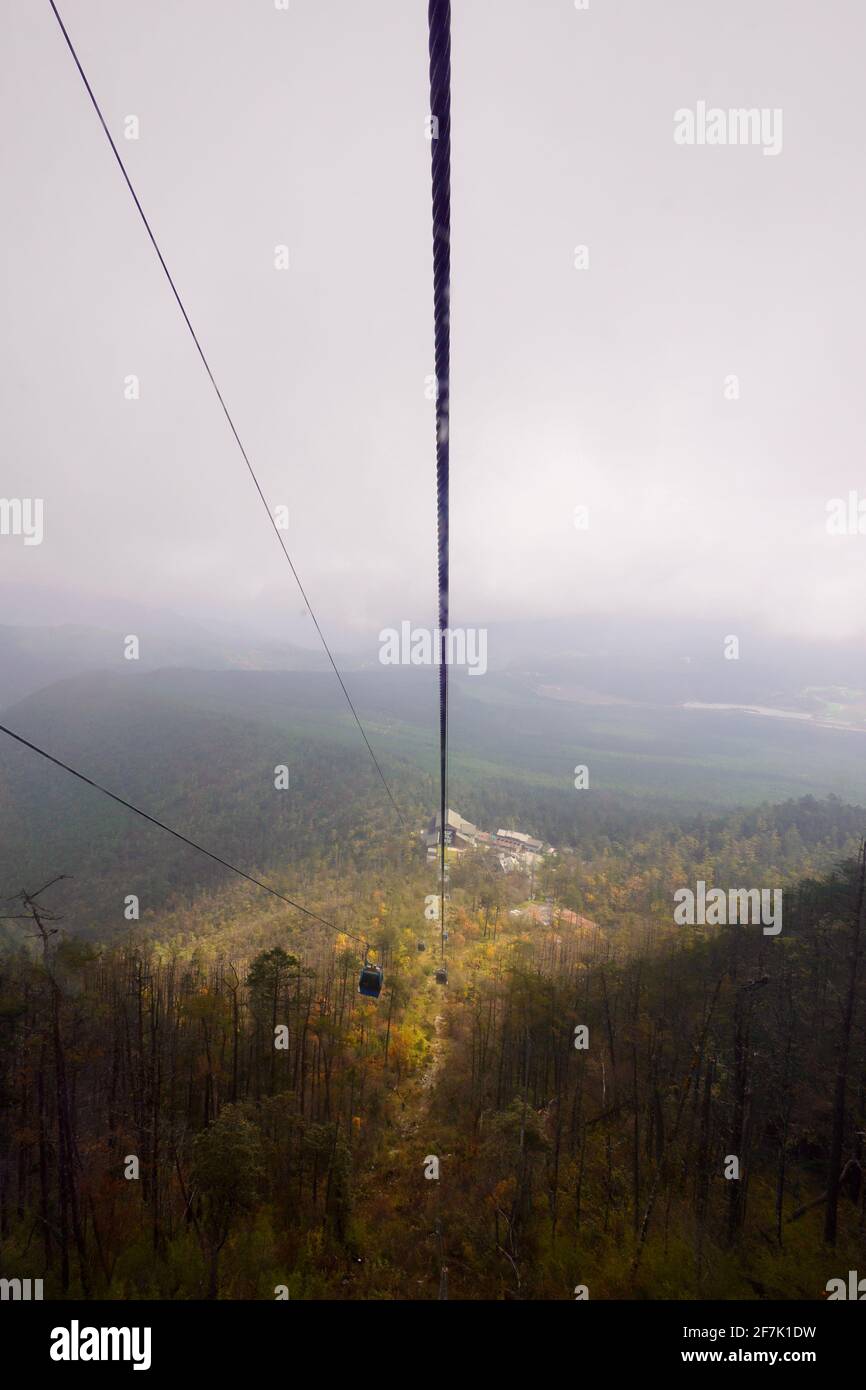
(602, 387)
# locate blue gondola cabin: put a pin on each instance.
(370, 981)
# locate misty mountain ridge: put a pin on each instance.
(588, 659)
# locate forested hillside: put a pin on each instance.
(564, 1159)
(210, 775)
(199, 749)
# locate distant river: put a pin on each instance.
(752, 709)
(817, 721)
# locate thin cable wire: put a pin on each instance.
(439, 22)
(178, 836)
(225, 409)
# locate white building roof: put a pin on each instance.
(519, 836)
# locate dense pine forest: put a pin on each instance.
(205, 1107)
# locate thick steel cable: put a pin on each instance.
(439, 23)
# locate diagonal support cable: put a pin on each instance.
(193, 844)
(225, 408)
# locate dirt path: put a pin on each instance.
(416, 1096)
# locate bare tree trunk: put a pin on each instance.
(838, 1132)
